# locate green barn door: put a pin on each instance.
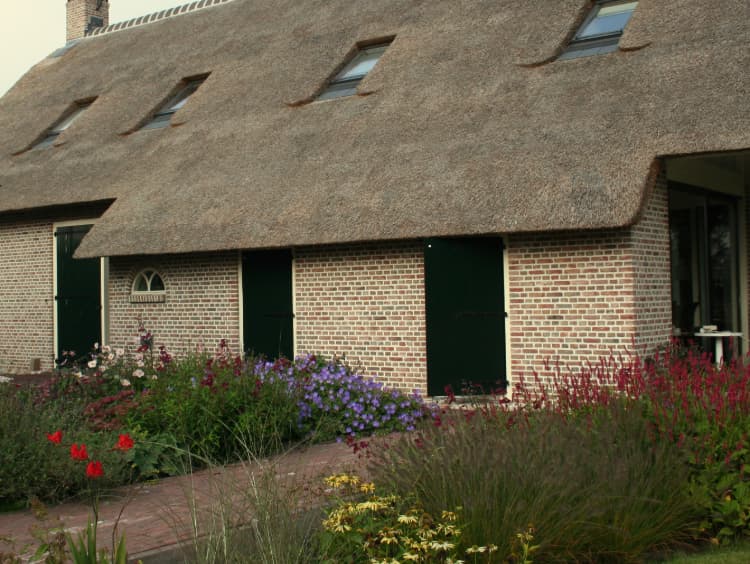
(465, 314)
(78, 294)
(267, 302)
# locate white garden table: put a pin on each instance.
(718, 337)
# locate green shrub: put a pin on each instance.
(33, 466)
(594, 488)
(217, 410)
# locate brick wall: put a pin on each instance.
(201, 303)
(651, 259)
(365, 302)
(577, 296)
(26, 295)
(78, 14)
(571, 297)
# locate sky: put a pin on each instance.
(31, 29)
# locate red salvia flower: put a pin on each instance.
(78, 453)
(94, 469)
(125, 442)
(55, 437)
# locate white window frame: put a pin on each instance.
(148, 296)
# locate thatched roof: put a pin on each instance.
(471, 126)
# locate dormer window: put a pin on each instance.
(346, 81)
(601, 30)
(72, 114)
(163, 116)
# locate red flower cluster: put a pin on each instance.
(78, 453)
(94, 469)
(125, 443)
(55, 437)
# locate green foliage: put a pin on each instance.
(593, 488)
(32, 466)
(220, 418)
(155, 456)
(83, 548)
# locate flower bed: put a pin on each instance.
(183, 413)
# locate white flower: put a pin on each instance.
(125, 382)
(138, 373)
(138, 357)
(92, 363)
(120, 352)
(154, 377)
(102, 368)
(140, 364)
(110, 356)
(96, 345)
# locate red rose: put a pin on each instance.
(94, 469)
(78, 453)
(55, 437)
(125, 442)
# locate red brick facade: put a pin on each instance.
(577, 296)
(26, 296)
(365, 302)
(201, 303)
(649, 239)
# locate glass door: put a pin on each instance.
(704, 257)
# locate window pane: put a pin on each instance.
(616, 8)
(141, 285)
(362, 63)
(613, 20)
(182, 96)
(158, 121)
(157, 285)
(47, 141)
(65, 122)
(339, 89)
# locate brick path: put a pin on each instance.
(157, 515)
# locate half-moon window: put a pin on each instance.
(148, 286)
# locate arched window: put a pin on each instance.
(148, 286)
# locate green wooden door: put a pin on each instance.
(268, 317)
(78, 294)
(465, 314)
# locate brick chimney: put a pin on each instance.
(85, 15)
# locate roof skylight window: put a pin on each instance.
(346, 81)
(163, 115)
(62, 124)
(601, 30)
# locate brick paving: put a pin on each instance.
(157, 515)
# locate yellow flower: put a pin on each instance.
(368, 487)
(447, 530)
(475, 549)
(410, 556)
(408, 519)
(441, 545)
(492, 548)
(449, 516)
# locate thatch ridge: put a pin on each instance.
(156, 16)
(465, 133)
